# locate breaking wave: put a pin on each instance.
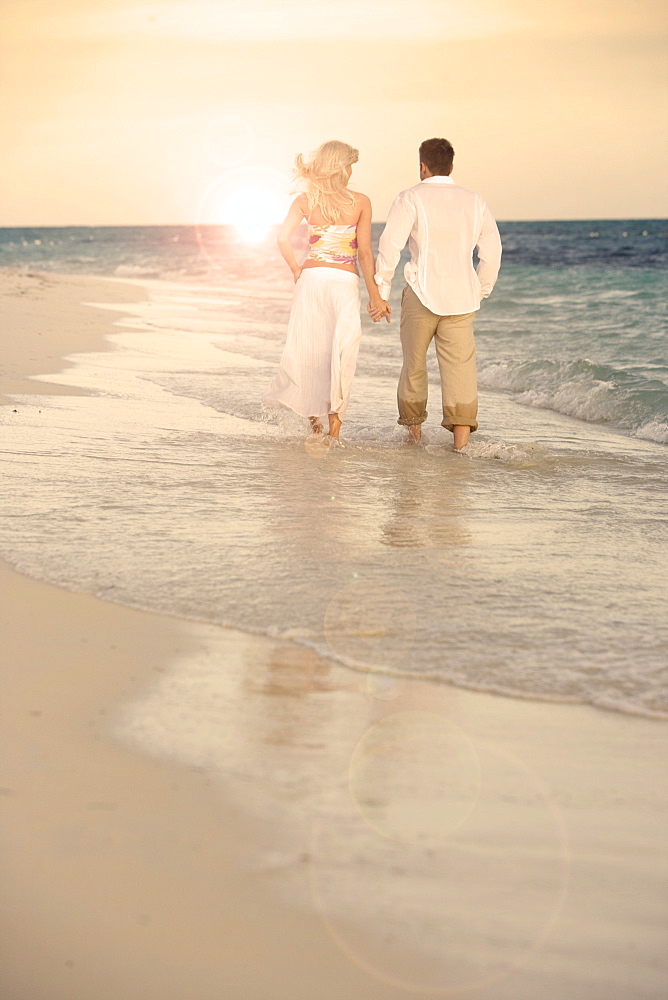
(596, 393)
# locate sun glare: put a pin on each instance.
(250, 198)
(252, 211)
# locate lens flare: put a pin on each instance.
(415, 777)
(423, 844)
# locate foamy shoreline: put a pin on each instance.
(132, 872)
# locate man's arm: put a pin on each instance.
(400, 221)
(489, 254)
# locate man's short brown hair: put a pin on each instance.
(437, 155)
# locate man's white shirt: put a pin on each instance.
(443, 223)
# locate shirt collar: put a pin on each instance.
(438, 179)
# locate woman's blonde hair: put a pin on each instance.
(326, 178)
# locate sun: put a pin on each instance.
(252, 210)
(251, 199)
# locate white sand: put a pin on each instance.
(530, 848)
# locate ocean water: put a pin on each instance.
(533, 565)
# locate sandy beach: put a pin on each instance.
(306, 859)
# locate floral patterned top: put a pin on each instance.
(333, 244)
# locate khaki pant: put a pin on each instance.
(455, 350)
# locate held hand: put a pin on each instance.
(297, 275)
(378, 309)
(377, 312)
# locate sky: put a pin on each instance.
(122, 113)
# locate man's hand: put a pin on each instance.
(378, 309)
(297, 274)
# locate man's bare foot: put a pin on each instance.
(334, 426)
(316, 426)
(462, 433)
(415, 432)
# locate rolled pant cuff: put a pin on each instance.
(411, 414)
(450, 426)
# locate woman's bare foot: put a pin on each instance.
(415, 432)
(316, 426)
(334, 426)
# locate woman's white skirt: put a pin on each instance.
(318, 362)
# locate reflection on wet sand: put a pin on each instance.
(431, 514)
(291, 671)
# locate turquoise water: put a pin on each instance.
(587, 342)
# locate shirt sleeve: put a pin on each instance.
(400, 221)
(489, 254)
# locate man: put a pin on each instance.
(442, 222)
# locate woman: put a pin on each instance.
(324, 330)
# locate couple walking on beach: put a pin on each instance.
(443, 224)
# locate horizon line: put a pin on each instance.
(379, 222)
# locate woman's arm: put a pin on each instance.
(377, 306)
(290, 223)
